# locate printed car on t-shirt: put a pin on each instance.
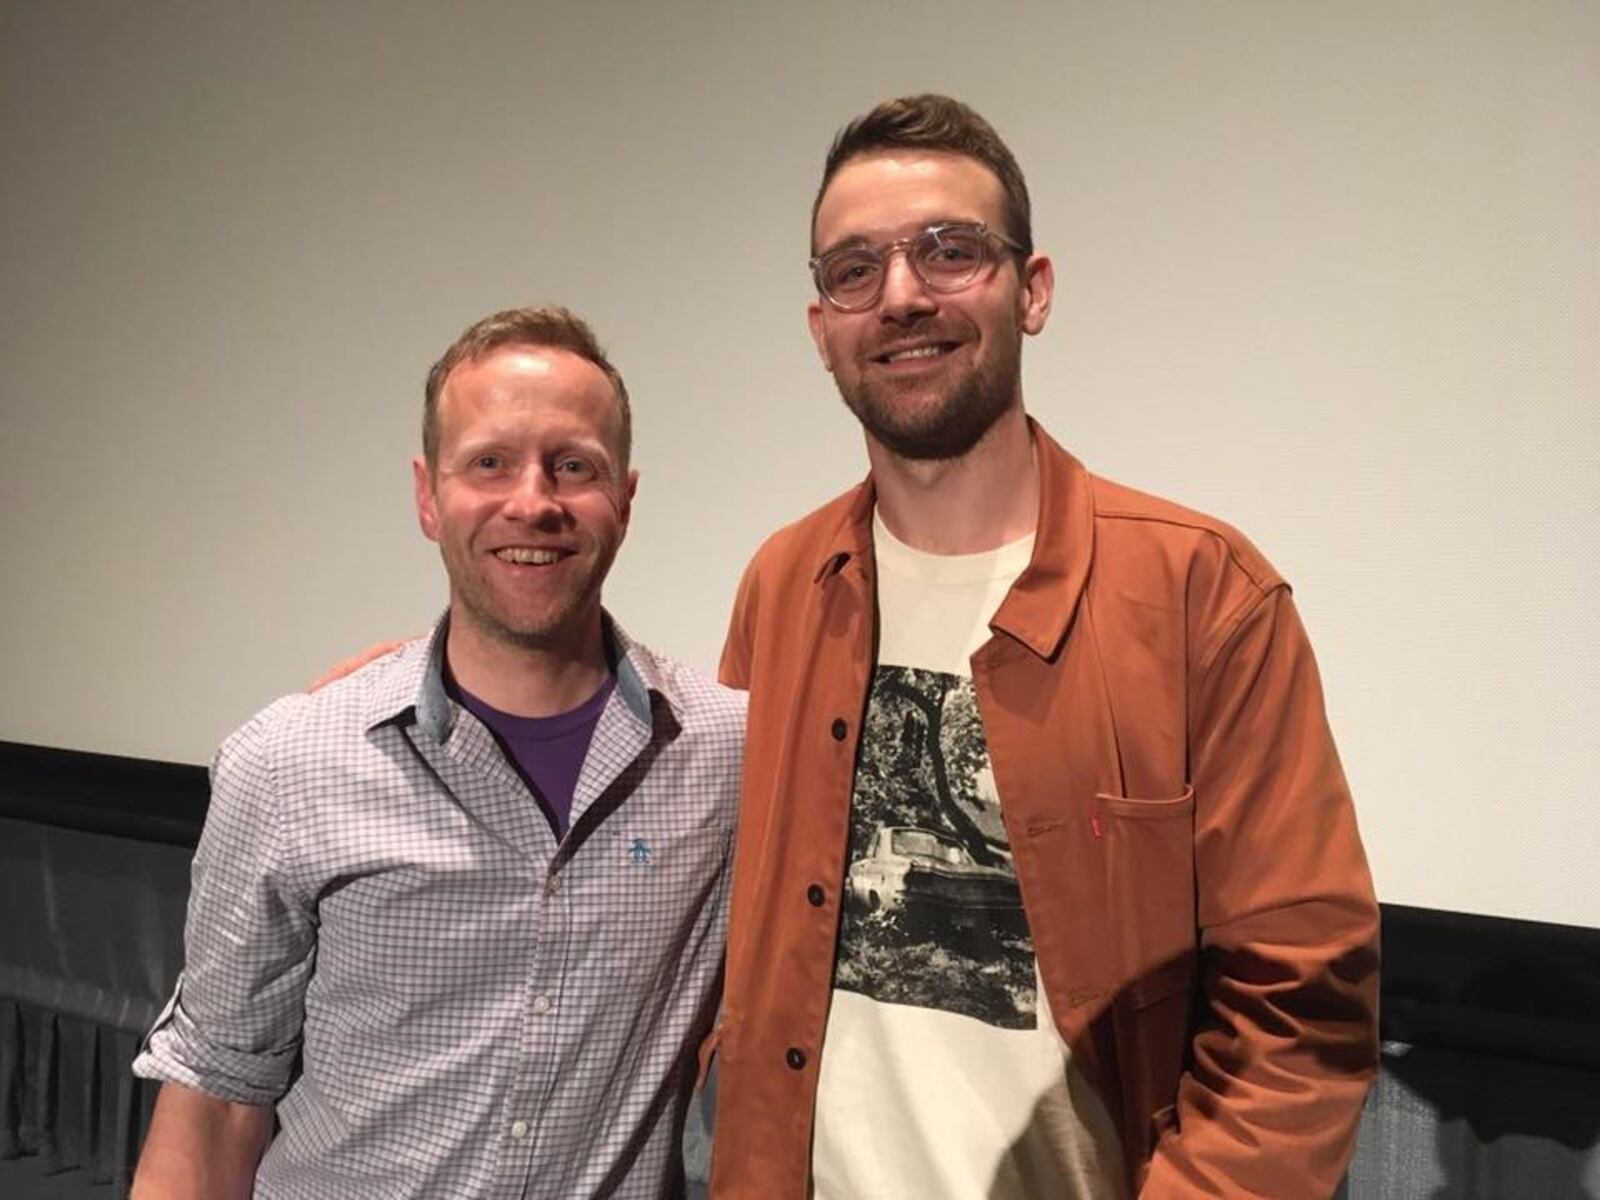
(927, 873)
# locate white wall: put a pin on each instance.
(1331, 271)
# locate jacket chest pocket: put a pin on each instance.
(1149, 862)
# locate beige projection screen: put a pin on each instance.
(1331, 272)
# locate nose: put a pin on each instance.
(532, 499)
(905, 297)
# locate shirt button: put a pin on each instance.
(795, 1057)
(542, 1004)
(519, 1129)
(839, 729)
(552, 885)
(816, 895)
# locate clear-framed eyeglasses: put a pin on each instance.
(946, 258)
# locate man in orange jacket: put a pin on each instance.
(1048, 880)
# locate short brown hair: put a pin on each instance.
(551, 327)
(934, 122)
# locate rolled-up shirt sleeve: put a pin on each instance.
(232, 1026)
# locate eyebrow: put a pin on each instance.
(594, 446)
(856, 240)
(465, 452)
(556, 444)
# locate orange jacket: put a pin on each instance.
(1200, 905)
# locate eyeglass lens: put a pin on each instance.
(945, 259)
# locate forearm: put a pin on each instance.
(1287, 1045)
(201, 1148)
(1272, 1096)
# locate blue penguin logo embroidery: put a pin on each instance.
(639, 853)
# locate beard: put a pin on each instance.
(552, 621)
(944, 428)
(558, 627)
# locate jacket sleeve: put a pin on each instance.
(1285, 1041)
(739, 647)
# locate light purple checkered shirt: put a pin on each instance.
(480, 1013)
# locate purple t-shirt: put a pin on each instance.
(548, 752)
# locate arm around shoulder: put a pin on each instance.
(201, 1147)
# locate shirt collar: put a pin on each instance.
(637, 676)
(1039, 608)
(414, 685)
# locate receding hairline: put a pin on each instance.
(549, 325)
(535, 349)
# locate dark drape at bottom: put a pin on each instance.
(67, 1096)
(1443, 1125)
(94, 874)
(1490, 1083)
(1491, 1069)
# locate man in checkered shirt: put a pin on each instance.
(457, 920)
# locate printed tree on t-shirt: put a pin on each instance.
(933, 914)
(942, 742)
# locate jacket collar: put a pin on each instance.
(1039, 608)
(851, 539)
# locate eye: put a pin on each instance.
(950, 251)
(851, 271)
(573, 468)
(487, 462)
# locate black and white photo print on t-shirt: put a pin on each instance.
(933, 914)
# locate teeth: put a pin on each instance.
(522, 554)
(918, 352)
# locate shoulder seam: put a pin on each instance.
(272, 746)
(1262, 585)
(1231, 627)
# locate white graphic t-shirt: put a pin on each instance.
(942, 1072)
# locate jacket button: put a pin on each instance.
(795, 1057)
(816, 895)
(839, 729)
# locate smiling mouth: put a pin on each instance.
(528, 556)
(923, 353)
